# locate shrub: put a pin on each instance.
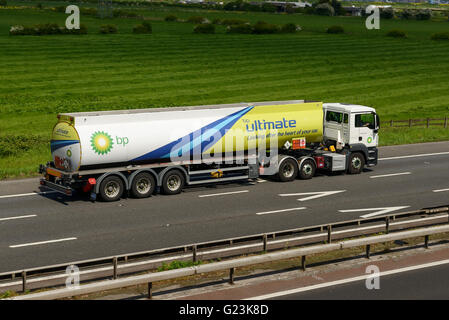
(335, 29)
(3, 3)
(239, 28)
(338, 8)
(440, 36)
(171, 18)
(16, 30)
(217, 21)
(81, 30)
(289, 28)
(262, 27)
(196, 19)
(204, 28)
(407, 14)
(144, 27)
(230, 22)
(108, 28)
(386, 13)
(45, 29)
(324, 9)
(396, 34)
(424, 15)
(39, 6)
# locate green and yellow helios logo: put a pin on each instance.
(101, 142)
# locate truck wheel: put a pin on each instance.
(356, 163)
(142, 185)
(111, 188)
(173, 182)
(307, 170)
(288, 170)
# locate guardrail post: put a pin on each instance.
(194, 249)
(265, 240)
(24, 281)
(426, 242)
(303, 263)
(391, 123)
(445, 121)
(150, 290)
(329, 234)
(368, 251)
(428, 122)
(387, 224)
(114, 263)
(231, 275)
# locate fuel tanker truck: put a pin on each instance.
(140, 152)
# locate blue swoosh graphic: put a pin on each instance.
(197, 139)
(56, 144)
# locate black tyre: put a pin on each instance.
(111, 188)
(173, 182)
(307, 169)
(143, 185)
(356, 163)
(288, 170)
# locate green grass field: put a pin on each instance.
(43, 75)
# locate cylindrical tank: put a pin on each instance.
(108, 138)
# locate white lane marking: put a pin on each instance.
(347, 280)
(313, 195)
(221, 194)
(26, 194)
(261, 180)
(390, 175)
(41, 242)
(282, 210)
(440, 190)
(378, 211)
(414, 156)
(18, 217)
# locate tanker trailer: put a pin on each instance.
(108, 153)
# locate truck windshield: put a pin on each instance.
(365, 120)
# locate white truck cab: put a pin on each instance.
(352, 127)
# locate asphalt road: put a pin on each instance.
(430, 283)
(45, 229)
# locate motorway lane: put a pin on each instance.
(429, 283)
(131, 225)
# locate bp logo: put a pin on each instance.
(370, 139)
(101, 142)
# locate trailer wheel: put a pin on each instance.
(307, 170)
(142, 185)
(288, 170)
(173, 182)
(356, 163)
(111, 188)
